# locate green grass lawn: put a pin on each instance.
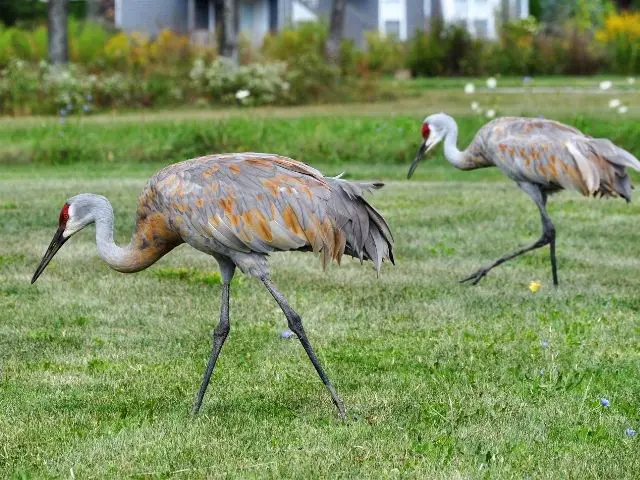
(98, 369)
(440, 379)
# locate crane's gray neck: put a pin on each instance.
(119, 258)
(451, 152)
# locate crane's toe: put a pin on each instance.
(476, 276)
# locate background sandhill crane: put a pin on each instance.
(238, 208)
(542, 157)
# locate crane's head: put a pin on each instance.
(433, 130)
(76, 214)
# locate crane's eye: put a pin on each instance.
(64, 215)
(425, 130)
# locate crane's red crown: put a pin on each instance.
(64, 215)
(425, 130)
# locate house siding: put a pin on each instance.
(360, 16)
(151, 16)
(415, 17)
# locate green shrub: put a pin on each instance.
(87, 45)
(311, 77)
(581, 55)
(19, 88)
(445, 50)
(383, 53)
(621, 38)
(254, 84)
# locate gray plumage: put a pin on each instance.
(238, 208)
(542, 157)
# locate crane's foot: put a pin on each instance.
(342, 412)
(476, 276)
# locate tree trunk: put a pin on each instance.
(435, 15)
(227, 35)
(505, 12)
(336, 31)
(58, 38)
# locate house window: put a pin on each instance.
(481, 28)
(202, 14)
(392, 28)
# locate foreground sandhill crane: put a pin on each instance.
(542, 157)
(238, 208)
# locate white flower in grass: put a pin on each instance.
(491, 113)
(606, 85)
(469, 88)
(242, 94)
(631, 80)
(492, 83)
(623, 109)
(475, 106)
(614, 103)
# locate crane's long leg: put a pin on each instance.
(295, 324)
(548, 237)
(219, 334)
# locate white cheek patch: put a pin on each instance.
(433, 139)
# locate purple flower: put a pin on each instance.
(604, 402)
(286, 334)
(86, 108)
(544, 343)
(630, 432)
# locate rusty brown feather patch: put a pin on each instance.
(153, 237)
(226, 204)
(291, 221)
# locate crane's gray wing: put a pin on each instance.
(252, 203)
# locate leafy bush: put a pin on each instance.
(19, 88)
(384, 54)
(516, 48)
(254, 84)
(445, 50)
(311, 77)
(87, 42)
(621, 37)
(580, 56)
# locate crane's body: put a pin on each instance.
(238, 208)
(542, 157)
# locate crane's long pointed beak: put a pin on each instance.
(419, 155)
(54, 246)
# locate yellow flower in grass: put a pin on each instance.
(534, 286)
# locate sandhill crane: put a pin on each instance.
(542, 157)
(238, 208)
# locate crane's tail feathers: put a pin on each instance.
(615, 154)
(367, 235)
(615, 181)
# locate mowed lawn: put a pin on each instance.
(99, 369)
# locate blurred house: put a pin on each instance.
(255, 18)
(480, 17)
